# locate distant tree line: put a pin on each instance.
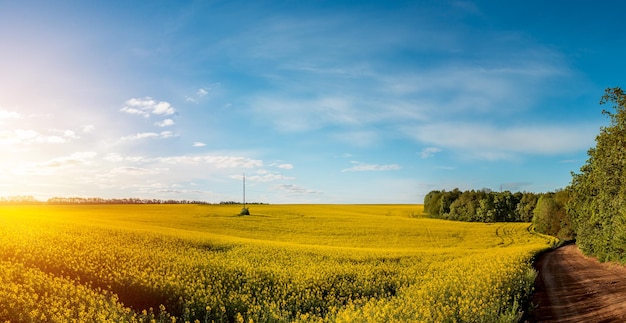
(20, 199)
(547, 211)
(99, 200)
(27, 199)
(239, 203)
(92, 200)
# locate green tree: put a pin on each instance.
(486, 210)
(504, 204)
(546, 217)
(598, 193)
(464, 208)
(526, 206)
(432, 203)
(447, 199)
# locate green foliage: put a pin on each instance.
(480, 206)
(447, 200)
(526, 206)
(550, 216)
(466, 205)
(432, 202)
(598, 203)
(546, 210)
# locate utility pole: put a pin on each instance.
(245, 210)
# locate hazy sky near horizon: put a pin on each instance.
(316, 101)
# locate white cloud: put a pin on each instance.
(429, 152)
(116, 158)
(18, 136)
(202, 92)
(128, 170)
(165, 123)
(217, 161)
(285, 166)
(166, 134)
(28, 136)
(113, 157)
(52, 140)
(146, 135)
(49, 166)
(69, 134)
(294, 115)
(269, 177)
(296, 189)
(163, 108)
(361, 167)
(74, 159)
(142, 135)
(8, 115)
(147, 106)
(198, 144)
(87, 128)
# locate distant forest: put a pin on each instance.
(27, 199)
(546, 210)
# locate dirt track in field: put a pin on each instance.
(573, 288)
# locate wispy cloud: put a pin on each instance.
(28, 136)
(87, 128)
(147, 106)
(296, 189)
(363, 167)
(285, 166)
(367, 99)
(217, 161)
(5, 115)
(146, 135)
(116, 158)
(429, 152)
(53, 165)
(198, 144)
(165, 123)
(78, 158)
(486, 141)
(264, 177)
(202, 92)
(127, 170)
(295, 115)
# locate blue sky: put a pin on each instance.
(316, 101)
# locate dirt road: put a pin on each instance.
(573, 288)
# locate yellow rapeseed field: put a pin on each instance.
(284, 263)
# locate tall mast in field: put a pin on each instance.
(245, 210)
